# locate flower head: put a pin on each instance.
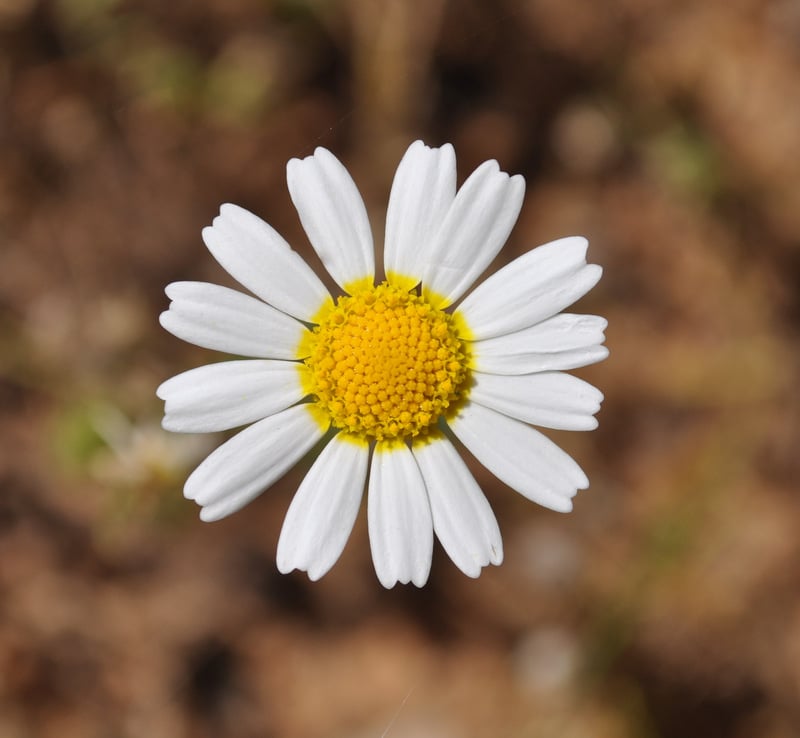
(388, 373)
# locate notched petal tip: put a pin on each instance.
(321, 155)
(232, 216)
(313, 574)
(418, 580)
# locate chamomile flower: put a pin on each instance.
(389, 372)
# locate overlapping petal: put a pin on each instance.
(534, 286)
(548, 399)
(220, 396)
(565, 341)
(520, 456)
(423, 190)
(473, 231)
(462, 517)
(253, 253)
(324, 509)
(399, 517)
(223, 319)
(333, 215)
(243, 467)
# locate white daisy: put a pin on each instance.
(389, 373)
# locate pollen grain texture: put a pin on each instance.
(385, 364)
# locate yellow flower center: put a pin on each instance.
(386, 364)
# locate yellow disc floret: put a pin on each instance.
(386, 364)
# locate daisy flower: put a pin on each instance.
(389, 373)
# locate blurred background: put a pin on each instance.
(667, 604)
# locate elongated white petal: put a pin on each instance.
(533, 287)
(321, 516)
(423, 189)
(333, 215)
(474, 230)
(232, 393)
(565, 341)
(520, 456)
(223, 319)
(399, 517)
(530, 363)
(549, 399)
(462, 517)
(255, 255)
(243, 467)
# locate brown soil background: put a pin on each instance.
(666, 605)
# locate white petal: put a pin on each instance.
(232, 393)
(423, 189)
(399, 517)
(243, 467)
(223, 319)
(549, 399)
(565, 341)
(533, 287)
(321, 516)
(520, 456)
(255, 255)
(333, 215)
(462, 518)
(474, 230)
